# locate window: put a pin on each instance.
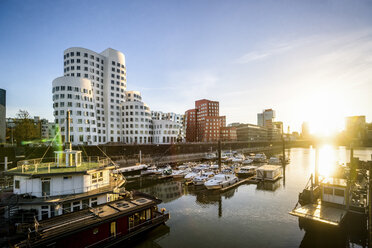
(340, 192)
(328, 191)
(17, 184)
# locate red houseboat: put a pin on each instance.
(101, 226)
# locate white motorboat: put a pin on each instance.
(180, 173)
(194, 172)
(246, 171)
(274, 160)
(200, 180)
(210, 156)
(221, 181)
(260, 158)
(247, 161)
(149, 171)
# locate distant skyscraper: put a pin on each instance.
(266, 118)
(305, 132)
(2, 115)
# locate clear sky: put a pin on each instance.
(308, 60)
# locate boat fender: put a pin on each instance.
(162, 210)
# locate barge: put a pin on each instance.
(101, 226)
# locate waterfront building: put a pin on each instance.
(93, 88)
(166, 131)
(177, 118)
(356, 127)
(204, 123)
(251, 132)
(266, 118)
(305, 130)
(136, 120)
(2, 116)
(228, 134)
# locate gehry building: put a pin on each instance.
(93, 87)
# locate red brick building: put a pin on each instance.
(203, 124)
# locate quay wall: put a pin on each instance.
(129, 153)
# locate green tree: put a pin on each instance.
(25, 127)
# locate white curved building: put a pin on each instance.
(136, 120)
(76, 95)
(106, 73)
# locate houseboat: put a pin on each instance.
(269, 172)
(100, 226)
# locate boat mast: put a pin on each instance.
(68, 121)
(219, 155)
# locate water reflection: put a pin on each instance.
(269, 186)
(249, 215)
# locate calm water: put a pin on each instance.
(247, 216)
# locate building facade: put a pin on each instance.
(2, 116)
(250, 132)
(93, 88)
(204, 124)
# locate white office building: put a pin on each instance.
(165, 131)
(93, 88)
(136, 120)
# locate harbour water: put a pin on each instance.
(247, 216)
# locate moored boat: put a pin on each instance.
(221, 181)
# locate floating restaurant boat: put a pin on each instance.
(101, 226)
(70, 183)
(269, 172)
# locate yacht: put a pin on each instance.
(274, 160)
(221, 181)
(247, 161)
(260, 158)
(200, 180)
(246, 171)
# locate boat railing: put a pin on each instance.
(35, 165)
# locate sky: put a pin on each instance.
(308, 60)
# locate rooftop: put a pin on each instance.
(330, 181)
(27, 167)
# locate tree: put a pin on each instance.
(25, 127)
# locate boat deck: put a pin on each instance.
(245, 180)
(320, 213)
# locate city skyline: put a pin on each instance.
(313, 69)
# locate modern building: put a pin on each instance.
(228, 134)
(305, 130)
(356, 127)
(251, 132)
(136, 120)
(204, 123)
(166, 131)
(170, 116)
(93, 88)
(266, 118)
(2, 116)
